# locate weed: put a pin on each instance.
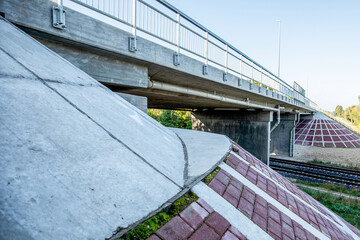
(349, 209)
(150, 226)
(211, 176)
(330, 187)
(316, 161)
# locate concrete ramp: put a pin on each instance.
(77, 161)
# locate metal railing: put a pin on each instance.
(168, 24)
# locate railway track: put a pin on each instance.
(316, 172)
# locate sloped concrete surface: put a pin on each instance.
(205, 150)
(77, 161)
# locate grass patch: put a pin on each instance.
(315, 161)
(348, 209)
(211, 176)
(330, 187)
(147, 228)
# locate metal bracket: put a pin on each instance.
(239, 82)
(225, 77)
(176, 59)
(132, 44)
(205, 70)
(250, 86)
(58, 14)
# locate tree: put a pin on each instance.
(359, 99)
(338, 110)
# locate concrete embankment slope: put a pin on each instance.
(77, 161)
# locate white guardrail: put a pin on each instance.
(164, 22)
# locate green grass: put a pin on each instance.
(315, 161)
(330, 187)
(211, 176)
(348, 209)
(147, 228)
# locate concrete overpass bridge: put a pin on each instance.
(158, 57)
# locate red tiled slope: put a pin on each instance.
(325, 133)
(198, 221)
(262, 196)
(265, 215)
(270, 181)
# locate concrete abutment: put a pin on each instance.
(250, 129)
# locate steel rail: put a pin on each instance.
(317, 166)
(318, 176)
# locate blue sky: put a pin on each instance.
(320, 41)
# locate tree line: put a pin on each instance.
(171, 118)
(351, 114)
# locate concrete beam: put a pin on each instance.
(137, 101)
(106, 69)
(281, 142)
(34, 16)
(250, 129)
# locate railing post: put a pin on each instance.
(178, 32)
(252, 71)
(205, 66)
(58, 15)
(177, 53)
(132, 39)
(226, 63)
(241, 61)
(240, 71)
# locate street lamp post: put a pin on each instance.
(279, 21)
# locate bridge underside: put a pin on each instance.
(102, 51)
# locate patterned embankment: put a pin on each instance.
(325, 133)
(248, 200)
(198, 221)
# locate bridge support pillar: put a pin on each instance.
(282, 137)
(250, 129)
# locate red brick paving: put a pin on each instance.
(204, 232)
(205, 205)
(237, 233)
(153, 237)
(194, 215)
(198, 221)
(218, 223)
(175, 229)
(270, 218)
(229, 236)
(270, 184)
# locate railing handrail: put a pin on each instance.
(185, 16)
